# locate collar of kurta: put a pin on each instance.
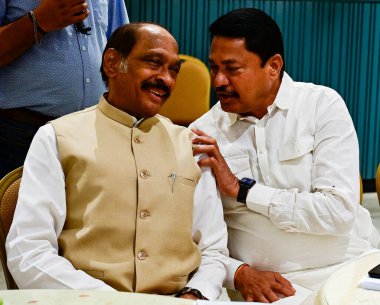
(123, 117)
(282, 100)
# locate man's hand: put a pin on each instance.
(189, 296)
(56, 14)
(227, 183)
(262, 286)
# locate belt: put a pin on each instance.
(26, 116)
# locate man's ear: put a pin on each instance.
(275, 64)
(110, 62)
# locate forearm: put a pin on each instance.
(40, 267)
(15, 39)
(210, 275)
(326, 204)
(51, 15)
(32, 242)
(323, 212)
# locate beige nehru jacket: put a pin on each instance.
(129, 221)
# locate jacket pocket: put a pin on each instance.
(182, 180)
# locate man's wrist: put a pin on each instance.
(236, 188)
(238, 270)
(41, 17)
(232, 188)
(190, 291)
(245, 184)
(36, 23)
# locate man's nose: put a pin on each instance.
(220, 80)
(166, 77)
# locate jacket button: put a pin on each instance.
(144, 174)
(141, 256)
(144, 214)
(138, 140)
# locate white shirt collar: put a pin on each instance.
(283, 100)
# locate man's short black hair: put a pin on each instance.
(123, 39)
(261, 33)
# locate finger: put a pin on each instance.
(270, 295)
(205, 140)
(76, 19)
(260, 297)
(249, 299)
(207, 162)
(281, 289)
(73, 3)
(200, 140)
(205, 149)
(280, 279)
(80, 10)
(188, 296)
(199, 132)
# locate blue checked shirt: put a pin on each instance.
(61, 75)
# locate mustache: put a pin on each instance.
(152, 84)
(225, 91)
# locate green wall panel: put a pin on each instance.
(333, 43)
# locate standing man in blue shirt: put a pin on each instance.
(49, 65)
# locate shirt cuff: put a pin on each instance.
(233, 265)
(259, 198)
(209, 289)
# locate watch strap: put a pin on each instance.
(189, 290)
(245, 184)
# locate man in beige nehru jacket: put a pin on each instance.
(108, 200)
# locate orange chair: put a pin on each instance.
(191, 97)
(361, 190)
(378, 182)
(9, 186)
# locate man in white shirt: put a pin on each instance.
(286, 160)
(107, 195)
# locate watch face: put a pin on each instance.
(247, 181)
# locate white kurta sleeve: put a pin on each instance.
(233, 265)
(210, 233)
(329, 207)
(32, 242)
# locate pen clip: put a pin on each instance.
(173, 176)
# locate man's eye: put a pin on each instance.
(213, 69)
(175, 70)
(154, 62)
(232, 69)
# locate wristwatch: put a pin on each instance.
(245, 185)
(189, 290)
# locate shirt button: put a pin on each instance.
(144, 174)
(84, 48)
(138, 140)
(144, 214)
(87, 80)
(141, 256)
(267, 179)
